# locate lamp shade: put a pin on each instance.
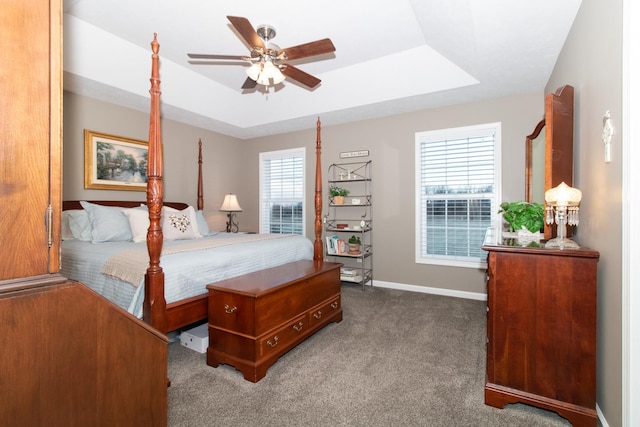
(230, 204)
(273, 73)
(563, 195)
(254, 71)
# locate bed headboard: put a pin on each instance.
(75, 204)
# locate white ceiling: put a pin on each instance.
(392, 56)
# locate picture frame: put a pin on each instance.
(114, 162)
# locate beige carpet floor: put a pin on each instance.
(397, 359)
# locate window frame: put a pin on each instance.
(448, 134)
(276, 155)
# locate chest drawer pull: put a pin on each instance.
(229, 310)
(274, 343)
(334, 305)
(317, 314)
(298, 327)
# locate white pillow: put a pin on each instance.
(76, 225)
(138, 223)
(177, 225)
(108, 223)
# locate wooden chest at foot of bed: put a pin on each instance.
(256, 318)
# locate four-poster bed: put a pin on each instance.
(157, 311)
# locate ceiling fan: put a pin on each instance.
(268, 61)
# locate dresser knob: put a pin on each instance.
(334, 305)
(229, 310)
(274, 343)
(298, 327)
(317, 315)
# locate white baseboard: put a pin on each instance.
(603, 422)
(430, 290)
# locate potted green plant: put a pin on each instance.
(338, 194)
(354, 245)
(523, 215)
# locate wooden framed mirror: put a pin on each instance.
(534, 164)
(550, 163)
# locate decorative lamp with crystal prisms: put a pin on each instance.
(231, 206)
(564, 201)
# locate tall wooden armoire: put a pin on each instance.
(68, 356)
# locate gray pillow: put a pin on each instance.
(76, 225)
(108, 223)
(203, 226)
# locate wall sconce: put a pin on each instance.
(564, 201)
(231, 206)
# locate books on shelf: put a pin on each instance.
(350, 274)
(346, 271)
(336, 246)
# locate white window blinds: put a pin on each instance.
(282, 178)
(456, 186)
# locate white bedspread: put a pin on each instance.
(186, 272)
(131, 265)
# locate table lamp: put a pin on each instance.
(231, 206)
(564, 201)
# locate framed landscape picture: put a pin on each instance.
(114, 162)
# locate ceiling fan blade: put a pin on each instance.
(206, 56)
(249, 84)
(300, 76)
(246, 30)
(317, 47)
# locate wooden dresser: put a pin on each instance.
(256, 318)
(541, 330)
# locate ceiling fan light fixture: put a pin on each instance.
(267, 59)
(265, 73)
(254, 71)
(279, 78)
(272, 72)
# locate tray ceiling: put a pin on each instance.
(392, 56)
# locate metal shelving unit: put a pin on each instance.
(352, 218)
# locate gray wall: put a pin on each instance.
(222, 164)
(591, 61)
(231, 165)
(390, 141)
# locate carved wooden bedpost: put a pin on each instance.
(318, 247)
(154, 306)
(200, 193)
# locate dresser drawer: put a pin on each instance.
(321, 313)
(281, 338)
